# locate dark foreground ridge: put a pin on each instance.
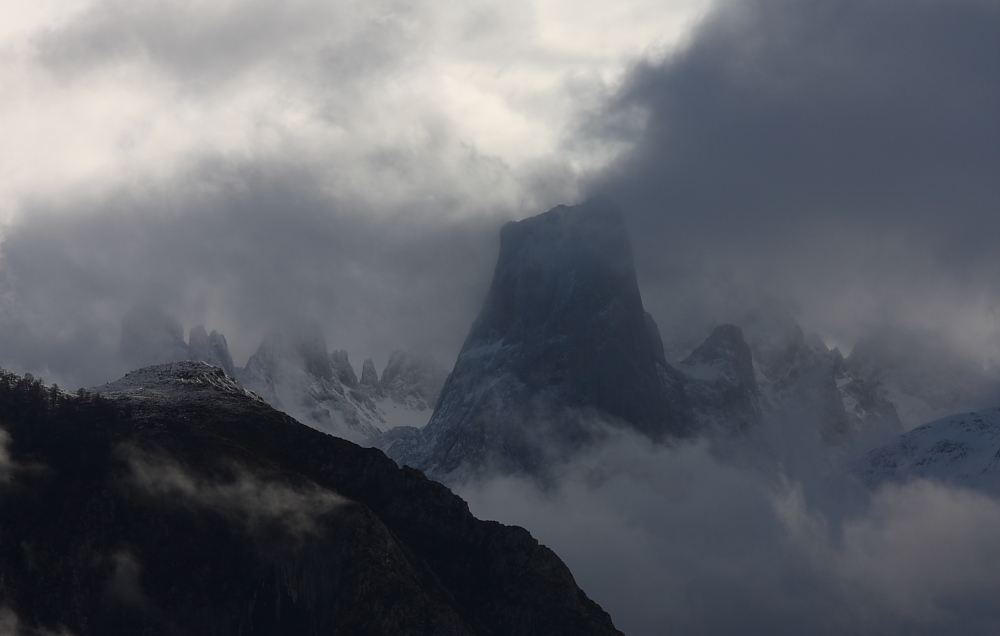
(562, 341)
(174, 502)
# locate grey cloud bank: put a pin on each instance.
(669, 540)
(841, 155)
(271, 251)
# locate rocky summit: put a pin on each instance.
(173, 501)
(561, 347)
(720, 382)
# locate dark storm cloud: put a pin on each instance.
(843, 155)
(239, 248)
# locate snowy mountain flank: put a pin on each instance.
(293, 371)
(924, 376)
(960, 450)
(296, 374)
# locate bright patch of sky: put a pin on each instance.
(106, 93)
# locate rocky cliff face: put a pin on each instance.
(179, 503)
(562, 342)
(719, 379)
(803, 383)
(211, 348)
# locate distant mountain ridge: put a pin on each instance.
(563, 348)
(294, 371)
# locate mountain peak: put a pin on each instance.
(721, 382)
(562, 340)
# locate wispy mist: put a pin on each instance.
(673, 541)
(246, 498)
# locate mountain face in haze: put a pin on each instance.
(960, 450)
(923, 375)
(803, 383)
(412, 380)
(211, 348)
(720, 381)
(562, 343)
(294, 371)
(176, 502)
(152, 336)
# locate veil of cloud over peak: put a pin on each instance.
(239, 162)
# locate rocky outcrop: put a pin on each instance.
(561, 347)
(369, 379)
(179, 503)
(720, 382)
(293, 371)
(343, 372)
(803, 383)
(211, 348)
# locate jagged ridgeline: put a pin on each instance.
(294, 371)
(173, 501)
(561, 347)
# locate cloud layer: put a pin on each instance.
(672, 541)
(242, 161)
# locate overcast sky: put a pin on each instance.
(242, 163)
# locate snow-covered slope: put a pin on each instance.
(295, 373)
(962, 450)
(803, 383)
(151, 388)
